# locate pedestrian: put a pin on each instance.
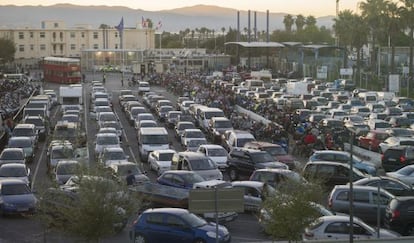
(104, 78)
(130, 179)
(122, 82)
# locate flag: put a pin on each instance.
(143, 23)
(159, 25)
(120, 26)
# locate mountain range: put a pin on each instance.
(174, 20)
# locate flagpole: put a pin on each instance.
(160, 45)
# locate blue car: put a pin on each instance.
(175, 225)
(16, 197)
(179, 178)
(344, 157)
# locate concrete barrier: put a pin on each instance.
(365, 154)
(253, 116)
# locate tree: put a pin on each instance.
(288, 21)
(300, 22)
(290, 210)
(95, 207)
(394, 25)
(407, 16)
(310, 21)
(7, 51)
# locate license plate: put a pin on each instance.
(22, 209)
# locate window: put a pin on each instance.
(83, 46)
(31, 34)
(116, 34)
(42, 34)
(42, 47)
(383, 200)
(21, 48)
(174, 221)
(21, 35)
(359, 230)
(83, 34)
(73, 46)
(95, 35)
(343, 196)
(337, 228)
(72, 34)
(31, 47)
(362, 197)
(56, 25)
(95, 46)
(154, 218)
(116, 46)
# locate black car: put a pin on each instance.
(393, 185)
(242, 162)
(399, 215)
(330, 173)
(397, 157)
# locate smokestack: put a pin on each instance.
(248, 26)
(267, 26)
(255, 26)
(238, 26)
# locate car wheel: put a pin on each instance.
(409, 230)
(199, 241)
(233, 174)
(139, 238)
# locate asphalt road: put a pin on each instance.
(29, 228)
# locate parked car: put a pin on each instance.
(366, 201)
(344, 157)
(399, 215)
(255, 193)
(65, 169)
(372, 140)
(242, 162)
(160, 160)
(336, 227)
(397, 157)
(276, 150)
(276, 177)
(16, 197)
(400, 132)
(330, 173)
(12, 155)
(405, 174)
(395, 186)
(15, 171)
(395, 141)
(175, 225)
(179, 178)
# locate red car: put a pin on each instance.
(372, 140)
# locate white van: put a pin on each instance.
(205, 114)
(368, 97)
(253, 83)
(150, 139)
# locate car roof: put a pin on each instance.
(331, 152)
(212, 146)
(166, 210)
(116, 149)
(13, 165)
(180, 172)
(12, 181)
(256, 184)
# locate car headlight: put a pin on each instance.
(211, 234)
(9, 205)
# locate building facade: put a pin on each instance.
(55, 39)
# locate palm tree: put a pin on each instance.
(393, 27)
(310, 21)
(373, 13)
(300, 22)
(407, 16)
(288, 21)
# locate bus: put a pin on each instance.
(61, 70)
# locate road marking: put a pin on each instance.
(38, 164)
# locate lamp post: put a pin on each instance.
(353, 132)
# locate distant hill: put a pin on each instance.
(174, 20)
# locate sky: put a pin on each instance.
(316, 8)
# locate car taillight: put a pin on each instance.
(395, 214)
(382, 157)
(403, 159)
(308, 234)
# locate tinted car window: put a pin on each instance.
(361, 197)
(337, 228)
(154, 218)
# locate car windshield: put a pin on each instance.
(196, 142)
(193, 220)
(12, 155)
(185, 126)
(9, 171)
(36, 122)
(67, 168)
(115, 125)
(155, 139)
(406, 170)
(242, 141)
(23, 132)
(20, 143)
(107, 140)
(275, 151)
(115, 155)
(217, 152)
(262, 157)
(192, 178)
(166, 156)
(223, 124)
(123, 169)
(195, 134)
(70, 118)
(62, 153)
(202, 164)
(15, 189)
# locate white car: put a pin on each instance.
(190, 134)
(405, 174)
(106, 140)
(395, 141)
(336, 227)
(112, 155)
(15, 171)
(216, 153)
(160, 160)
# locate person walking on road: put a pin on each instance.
(130, 179)
(104, 78)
